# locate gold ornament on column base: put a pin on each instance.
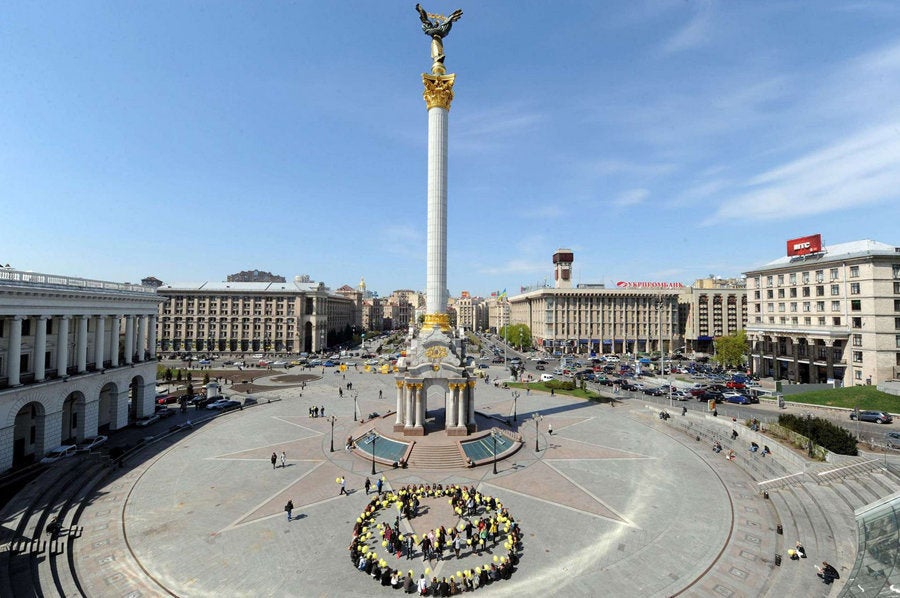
(440, 320)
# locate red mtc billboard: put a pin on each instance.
(804, 245)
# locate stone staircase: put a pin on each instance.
(436, 457)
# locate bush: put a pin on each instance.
(822, 432)
(560, 384)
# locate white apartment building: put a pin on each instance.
(253, 317)
(829, 315)
(77, 356)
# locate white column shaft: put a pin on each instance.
(114, 341)
(62, 346)
(400, 406)
(151, 343)
(100, 342)
(14, 351)
(142, 337)
(420, 409)
(81, 345)
(129, 339)
(40, 348)
(461, 398)
(436, 283)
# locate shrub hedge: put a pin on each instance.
(822, 432)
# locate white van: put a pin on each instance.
(546, 377)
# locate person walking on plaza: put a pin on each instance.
(343, 486)
(550, 429)
(283, 458)
(289, 507)
(368, 485)
(378, 486)
(274, 460)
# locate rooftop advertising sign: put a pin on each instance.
(804, 245)
(623, 284)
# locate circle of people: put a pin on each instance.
(473, 533)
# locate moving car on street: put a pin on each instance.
(879, 417)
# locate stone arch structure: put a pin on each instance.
(107, 399)
(435, 362)
(72, 418)
(28, 434)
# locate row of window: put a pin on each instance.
(833, 274)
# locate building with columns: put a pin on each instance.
(251, 317)
(825, 313)
(77, 356)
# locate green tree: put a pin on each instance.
(178, 376)
(518, 335)
(731, 349)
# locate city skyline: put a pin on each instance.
(659, 140)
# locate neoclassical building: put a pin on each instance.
(831, 314)
(77, 356)
(240, 317)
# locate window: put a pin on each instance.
(770, 307)
(896, 323)
(756, 307)
(756, 295)
(835, 306)
(794, 306)
(854, 288)
(897, 288)
(770, 294)
(857, 357)
(895, 268)
(771, 320)
(26, 328)
(836, 321)
(782, 320)
(794, 320)
(834, 273)
(821, 320)
(781, 307)
(807, 321)
(820, 291)
(856, 322)
(854, 271)
(820, 275)
(855, 305)
(758, 282)
(793, 293)
(757, 320)
(857, 375)
(780, 279)
(806, 292)
(781, 293)
(835, 290)
(857, 340)
(770, 280)
(806, 306)
(898, 358)
(805, 277)
(897, 341)
(820, 306)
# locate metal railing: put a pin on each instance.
(18, 276)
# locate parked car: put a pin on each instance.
(279, 364)
(89, 444)
(163, 412)
(879, 417)
(60, 452)
(145, 421)
(712, 395)
(546, 377)
(166, 399)
(329, 364)
(680, 395)
(540, 367)
(250, 401)
(735, 384)
(736, 397)
(892, 439)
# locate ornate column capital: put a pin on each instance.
(438, 90)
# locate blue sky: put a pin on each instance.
(659, 140)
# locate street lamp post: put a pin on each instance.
(373, 437)
(494, 434)
(331, 420)
(515, 396)
(537, 420)
(355, 394)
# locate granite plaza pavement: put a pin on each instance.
(614, 503)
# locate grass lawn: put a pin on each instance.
(541, 387)
(864, 397)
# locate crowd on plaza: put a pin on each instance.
(482, 522)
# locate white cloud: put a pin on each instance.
(695, 33)
(631, 197)
(861, 169)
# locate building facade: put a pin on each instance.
(710, 308)
(77, 356)
(832, 314)
(254, 317)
